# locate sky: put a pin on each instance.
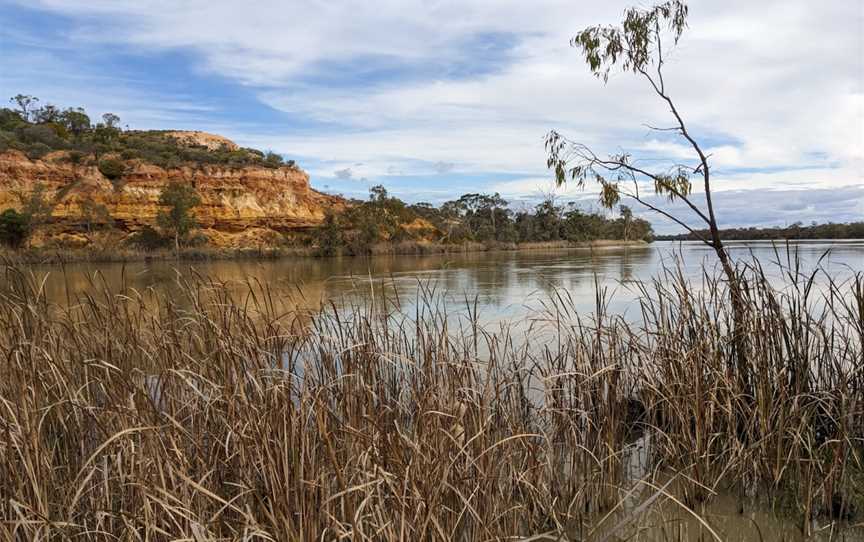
(433, 99)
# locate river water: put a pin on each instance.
(504, 286)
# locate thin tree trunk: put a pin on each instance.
(739, 346)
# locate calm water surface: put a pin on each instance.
(506, 286)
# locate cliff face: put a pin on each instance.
(240, 205)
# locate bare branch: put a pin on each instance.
(585, 154)
(656, 129)
(681, 223)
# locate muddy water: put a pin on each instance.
(652, 509)
(726, 518)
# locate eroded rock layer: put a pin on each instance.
(234, 200)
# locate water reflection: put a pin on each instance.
(506, 286)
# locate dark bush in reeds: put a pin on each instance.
(218, 415)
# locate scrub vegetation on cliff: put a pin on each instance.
(104, 190)
(38, 130)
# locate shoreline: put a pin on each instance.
(46, 256)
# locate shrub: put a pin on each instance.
(44, 134)
(10, 120)
(271, 159)
(179, 199)
(14, 228)
(37, 151)
(330, 236)
(148, 239)
(59, 130)
(75, 157)
(112, 168)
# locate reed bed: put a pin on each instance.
(218, 415)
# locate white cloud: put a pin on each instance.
(747, 73)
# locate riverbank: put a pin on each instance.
(235, 414)
(414, 248)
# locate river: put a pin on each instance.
(509, 286)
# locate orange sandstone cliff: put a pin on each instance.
(240, 206)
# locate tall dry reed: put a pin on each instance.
(218, 415)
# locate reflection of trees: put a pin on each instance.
(633, 258)
(504, 282)
(499, 279)
(575, 270)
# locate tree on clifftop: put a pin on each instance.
(111, 120)
(76, 121)
(24, 101)
(176, 220)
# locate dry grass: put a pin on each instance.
(128, 416)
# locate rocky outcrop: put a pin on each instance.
(237, 202)
(202, 139)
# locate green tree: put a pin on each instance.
(35, 206)
(547, 218)
(35, 211)
(177, 220)
(46, 114)
(76, 121)
(106, 134)
(330, 236)
(110, 120)
(94, 215)
(637, 47)
(14, 228)
(627, 217)
(486, 217)
(24, 102)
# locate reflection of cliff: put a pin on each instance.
(252, 285)
(240, 205)
(298, 288)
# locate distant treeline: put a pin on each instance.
(831, 230)
(484, 218)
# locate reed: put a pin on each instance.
(222, 414)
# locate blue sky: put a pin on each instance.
(434, 99)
